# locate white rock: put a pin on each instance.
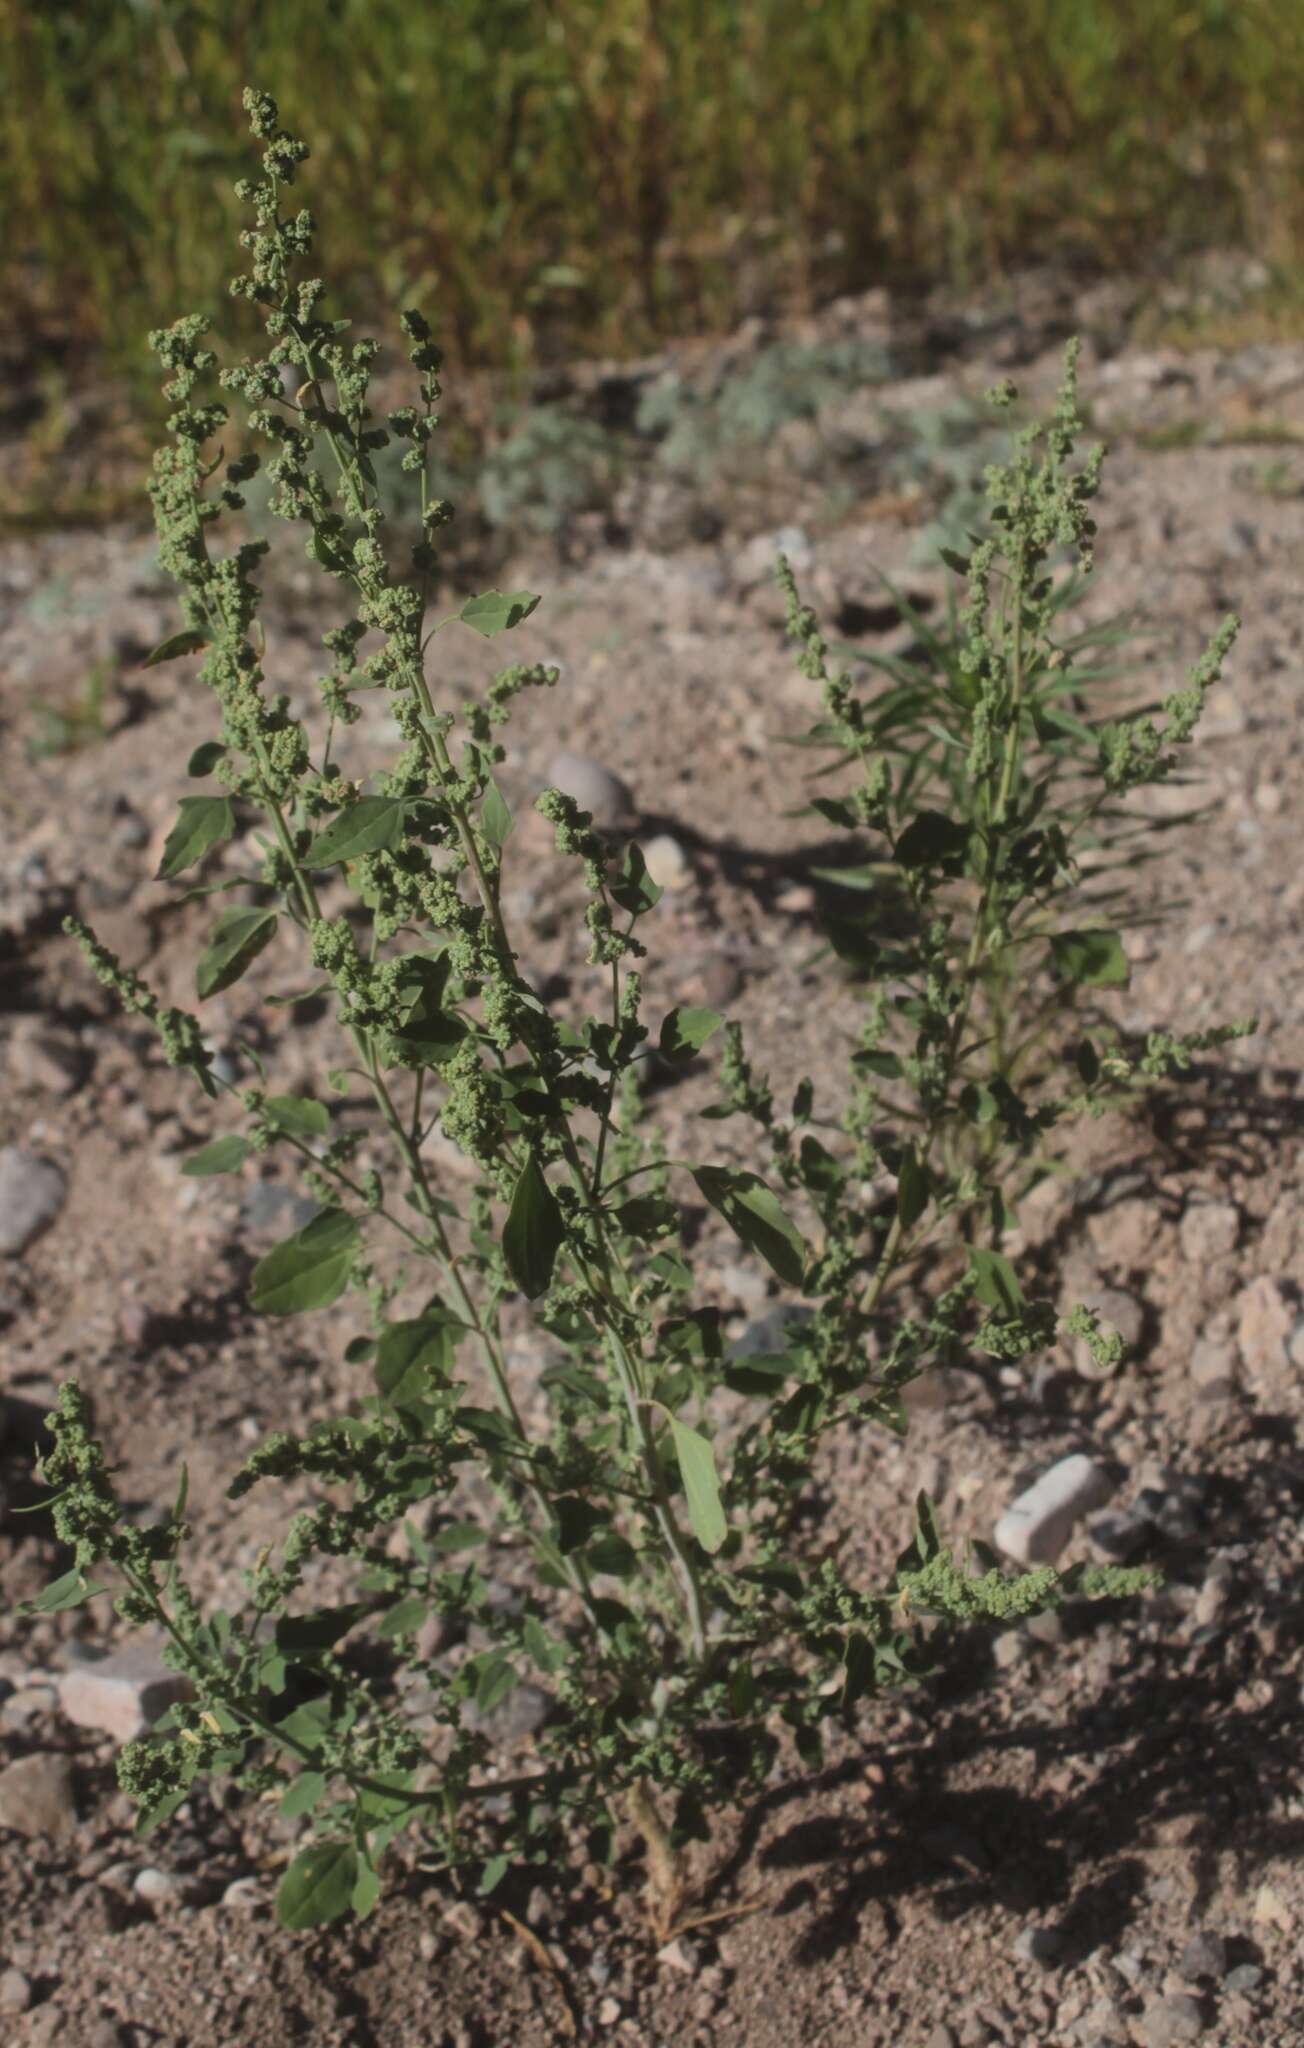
(1265, 1319)
(592, 786)
(667, 863)
(1036, 1526)
(158, 1887)
(121, 1695)
(1209, 1230)
(32, 1193)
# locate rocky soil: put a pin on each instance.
(1086, 1833)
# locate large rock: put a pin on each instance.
(1035, 1527)
(594, 788)
(36, 1797)
(121, 1695)
(32, 1192)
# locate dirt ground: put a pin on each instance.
(1022, 1850)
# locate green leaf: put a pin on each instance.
(858, 1660)
(318, 1886)
(63, 1594)
(372, 825)
(755, 1217)
(701, 1485)
(201, 822)
(496, 821)
(302, 1794)
(912, 1188)
(427, 1034)
(404, 1618)
(495, 1678)
(576, 1521)
(190, 642)
(685, 1032)
(299, 1115)
(998, 1285)
(1094, 958)
(308, 1270)
(413, 1356)
(932, 840)
(494, 1872)
(205, 758)
(223, 1155)
(633, 888)
(366, 1891)
(497, 610)
(312, 1634)
(886, 1064)
(235, 941)
(533, 1233)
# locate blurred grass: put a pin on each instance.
(548, 176)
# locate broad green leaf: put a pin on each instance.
(754, 1216)
(309, 1635)
(318, 1886)
(497, 610)
(998, 1285)
(190, 642)
(427, 1034)
(648, 1217)
(63, 1594)
(372, 824)
(413, 1356)
(235, 941)
(494, 1872)
(404, 1618)
(205, 758)
(496, 820)
(633, 888)
(201, 822)
(685, 1032)
(887, 1064)
(932, 840)
(308, 1270)
(576, 1521)
(299, 1115)
(495, 1678)
(701, 1485)
(223, 1155)
(1094, 958)
(533, 1233)
(302, 1794)
(912, 1188)
(858, 1660)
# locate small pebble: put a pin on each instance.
(1173, 2020)
(32, 1192)
(464, 1920)
(15, 1991)
(158, 1887)
(1209, 1230)
(1205, 1955)
(609, 2012)
(36, 1797)
(46, 1059)
(1245, 1979)
(242, 1895)
(1043, 1945)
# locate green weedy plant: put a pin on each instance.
(685, 1631)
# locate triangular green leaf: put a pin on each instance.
(318, 1886)
(496, 820)
(201, 822)
(412, 1357)
(222, 1156)
(235, 941)
(685, 1032)
(372, 824)
(308, 1270)
(497, 610)
(1094, 958)
(998, 1284)
(754, 1215)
